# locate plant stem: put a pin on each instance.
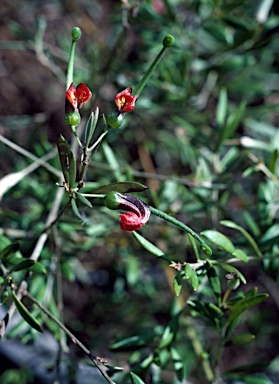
(181, 225)
(76, 341)
(70, 72)
(149, 72)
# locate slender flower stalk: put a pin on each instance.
(167, 42)
(178, 223)
(76, 34)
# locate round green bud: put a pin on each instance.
(114, 120)
(112, 200)
(76, 33)
(72, 118)
(168, 41)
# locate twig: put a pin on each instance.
(76, 341)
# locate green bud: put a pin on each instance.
(72, 118)
(76, 34)
(113, 200)
(114, 120)
(168, 41)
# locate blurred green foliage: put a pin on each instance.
(203, 137)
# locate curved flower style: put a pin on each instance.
(78, 96)
(137, 211)
(124, 101)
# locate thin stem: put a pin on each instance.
(75, 340)
(70, 72)
(181, 225)
(73, 128)
(151, 69)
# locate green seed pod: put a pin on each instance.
(76, 33)
(114, 120)
(72, 118)
(168, 41)
(113, 200)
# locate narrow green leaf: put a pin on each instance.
(242, 339)
(121, 187)
(222, 107)
(231, 224)
(146, 244)
(169, 333)
(194, 280)
(130, 342)
(75, 209)
(83, 200)
(177, 284)
(38, 268)
(239, 254)
(188, 271)
(213, 310)
(90, 126)
(243, 304)
(135, 379)
(230, 268)
(26, 315)
(9, 250)
(219, 240)
(67, 161)
(23, 265)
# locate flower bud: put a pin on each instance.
(76, 33)
(168, 41)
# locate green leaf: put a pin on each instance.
(121, 187)
(146, 244)
(90, 126)
(83, 200)
(1, 280)
(242, 339)
(177, 284)
(194, 280)
(67, 161)
(75, 209)
(38, 268)
(248, 379)
(9, 250)
(231, 224)
(239, 254)
(230, 268)
(219, 240)
(169, 333)
(214, 282)
(135, 379)
(241, 305)
(271, 234)
(222, 107)
(188, 271)
(26, 315)
(23, 265)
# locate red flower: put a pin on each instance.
(78, 96)
(137, 211)
(124, 101)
